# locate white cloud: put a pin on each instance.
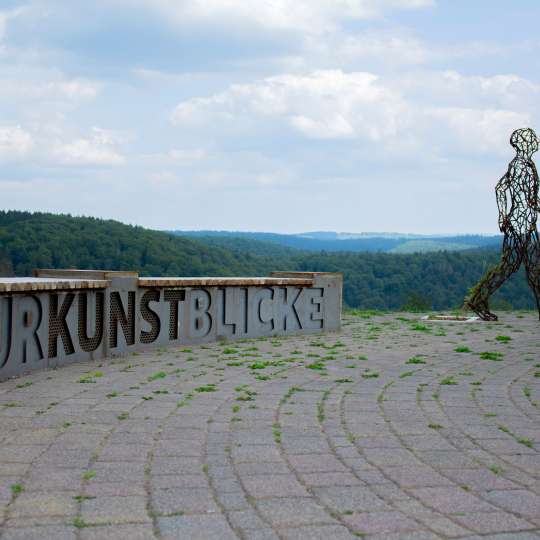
(56, 90)
(381, 48)
(72, 89)
(325, 104)
(5, 16)
(397, 115)
(98, 150)
(452, 89)
(481, 131)
(312, 16)
(15, 143)
(176, 156)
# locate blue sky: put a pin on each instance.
(280, 115)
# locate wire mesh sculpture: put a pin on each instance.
(518, 203)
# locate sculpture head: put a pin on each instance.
(525, 141)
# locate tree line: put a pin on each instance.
(371, 280)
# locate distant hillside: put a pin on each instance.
(338, 242)
(263, 248)
(36, 240)
(429, 246)
(371, 280)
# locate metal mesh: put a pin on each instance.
(89, 344)
(150, 316)
(174, 297)
(118, 315)
(517, 199)
(58, 325)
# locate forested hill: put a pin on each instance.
(39, 240)
(261, 242)
(371, 280)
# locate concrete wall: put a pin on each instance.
(60, 317)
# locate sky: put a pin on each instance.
(266, 115)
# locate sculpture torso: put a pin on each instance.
(518, 193)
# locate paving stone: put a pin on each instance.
(226, 485)
(103, 510)
(56, 532)
(444, 526)
(358, 499)
(15, 453)
(179, 481)
(292, 512)
(246, 519)
(187, 500)
(451, 499)
(416, 476)
(118, 532)
(51, 479)
(176, 465)
(261, 534)
(124, 452)
(113, 489)
(507, 536)
(380, 522)
(232, 501)
(195, 527)
(274, 486)
(316, 463)
(518, 501)
(43, 504)
(493, 522)
(37, 521)
(254, 468)
(446, 459)
(317, 532)
(117, 472)
(391, 456)
(415, 535)
(480, 479)
(330, 479)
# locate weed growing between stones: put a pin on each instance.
(16, 489)
(156, 376)
(415, 360)
(206, 388)
(493, 356)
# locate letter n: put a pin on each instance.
(118, 315)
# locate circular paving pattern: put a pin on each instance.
(394, 428)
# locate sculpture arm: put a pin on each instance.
(502, 199)
(532, 196)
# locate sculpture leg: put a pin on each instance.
(532, 267)
(478, 298)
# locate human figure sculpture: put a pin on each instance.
(517, 199)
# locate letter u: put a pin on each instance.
(6, 318)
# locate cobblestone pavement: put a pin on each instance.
(392, 429)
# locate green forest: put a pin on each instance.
(383, 281)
